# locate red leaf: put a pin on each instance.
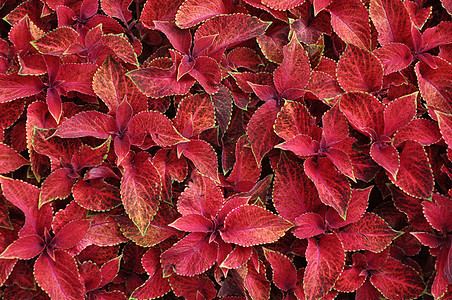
(96, 195)
(351, 278)
(10, 160)
(282, 5)
(232, 31)
(90, 123)
(255, 281)
(439, 213)
(58, 185)
(395, 281)
(399, 113)
(59, 278)
(156, 10)
(325, 263)
(121, 47)
(56, 42)
(203, 157)
(387, 156)
(308, 225)
(294, 71)
(156, 82)
(111, 85)
(194, 115)
(109, 270)
(196, 287)
(324, 86)
(434, 84)
(24, 248)
(424, 131)
(237, 257)
(356, 209)
(415, 173)
(140, 190)
(394, 57)
(302, 145)
(71, 234)
(391, 21)
(260, 130)
(359, 70)
(364, 112)
(14, 86)
(207, 72)
(117, 9)
(293, 119)
(242, 57)
(284, 272)
(156, 285)
(437, 36)
(445, 125)
(250, 225)
(193, 12)
(333, 187)
(193, 223)
(293, 192)
(190, 256)
(350, 20)
(202, 196)
(369, 233)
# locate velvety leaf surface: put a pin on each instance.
(193, 12)
(369, 233)
(14, 86)
(57, 41)
(325, 263)
(308, 225)
(96, 195)
(91, 123)
(57, 185)
(24, 248)
(60, 277)
(394, 57)
(250, 225)
(203, 157)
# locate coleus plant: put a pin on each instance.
(254, 149)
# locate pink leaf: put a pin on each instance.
(58, 185)
(117, 9)
(293, 192)
(325, 263)
(333, 187)
(250, 225)
(369, 233)
(439, 213)
(302, 145)
(192, 223)
(60, 277)
(282, 5)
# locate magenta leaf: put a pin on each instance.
(284, 272)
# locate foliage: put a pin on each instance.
(254, 149)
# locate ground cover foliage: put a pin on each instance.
(253, 149)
